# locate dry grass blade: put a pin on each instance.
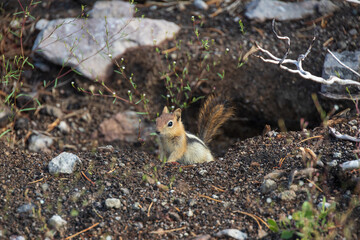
(218, 189)
(256, 218)
(148, 213)
(309, 138)
(210, 198)
(39, 180)
(84, 175)
(85, 230)
(162, 231)
(318, 188)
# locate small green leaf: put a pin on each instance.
(5, 132)
(273, 225)
(287, 234)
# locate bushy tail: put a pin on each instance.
(214, 113)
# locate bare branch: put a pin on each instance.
(343, 64)
(353, 1)
(281, 38)
(298, 64)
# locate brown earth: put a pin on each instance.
(217, 193)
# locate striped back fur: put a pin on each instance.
(214, 113)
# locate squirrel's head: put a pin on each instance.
(169, 123)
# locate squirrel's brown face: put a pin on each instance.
(167, 123)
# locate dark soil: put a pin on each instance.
(219, 194)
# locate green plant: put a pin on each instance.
(307, 223)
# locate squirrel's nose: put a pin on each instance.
(157, 132)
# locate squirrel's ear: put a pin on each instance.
(178, 113)
(165, 110)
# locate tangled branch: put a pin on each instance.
(298, 63)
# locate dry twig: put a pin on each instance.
(298, 64)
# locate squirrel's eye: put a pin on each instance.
(170, 123)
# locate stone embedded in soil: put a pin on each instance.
(190, 213)
(267, 186)
(233, 233)
(287, 195)
(113, 203)
(200, 4)
(90, 45)
(28, 207)
(21, 123)
(261, 10)
(124, 126)
(63, 163)
(125, 191)
(39, 142)
(17, 238)
(202, 237)
(5, 116)
(276, 174)
(112, 9)
(333, 68)
(51, 111)
(57, 222)
(63, 127)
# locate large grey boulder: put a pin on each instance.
(89, 45)
(261, 10)
(112, 9)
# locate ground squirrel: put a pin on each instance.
(178, 145)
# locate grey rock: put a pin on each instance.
(179, 201)
(236, 189)
(353, 32)
(90, 56)
(326, 6)
(17, 238)
(64, 163)
(287, 195)
(64, 127)
(51, 111)
(261, 10)
(333, 163)
(113, 203)
(267, 186)
(233, 233)
(337, 155)
(333, 68)
(192, 202)
(5, 116)
(200, 4)
(190, 213)
(276, 174)
(125, 191)
(202, 237)
(353, 122)
(202, 172)
(21, 123)
(28, 207)
(41, 24)
(136, 206)
(45, 187)
(39, 142)
(57, 222)
(321, 204)
(139, 225)
(112, 9)
(124, 126)
(319, 163)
